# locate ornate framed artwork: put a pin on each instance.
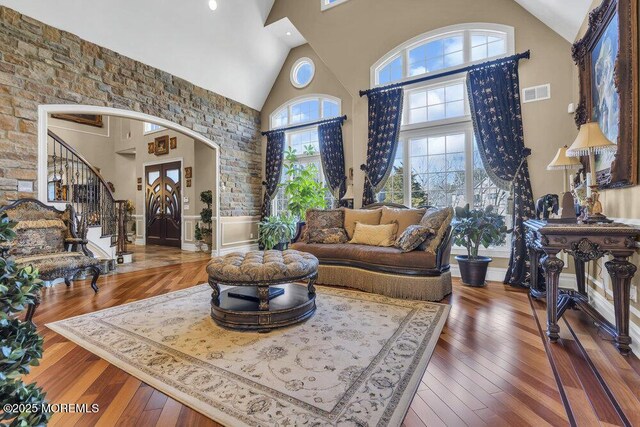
(173, 143)
(151, 147)
(188, 172)
(94, 120)
(607, 59)
(162, 145)
(188, 183)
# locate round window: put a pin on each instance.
(302, 72)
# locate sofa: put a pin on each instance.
(422, 274)
(51, 241)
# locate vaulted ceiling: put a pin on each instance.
(228, 51)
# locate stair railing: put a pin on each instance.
(72, 179)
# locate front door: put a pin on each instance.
(163, 207)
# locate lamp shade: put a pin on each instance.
(348, 195)
(562, 161)
(590, 139)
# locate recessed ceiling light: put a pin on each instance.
(213, 4)
(288, 33)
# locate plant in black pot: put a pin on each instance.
(276, 231)
(472, 228)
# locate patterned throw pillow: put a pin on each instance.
(438, 220)
(327, 236)
(413, 236)
(318, 219)
(375, 235)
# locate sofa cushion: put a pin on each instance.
(327, 235)
(364, 216)
(404, 217)
(375, 235)
(35, 237)
(413, 237)
(439, 220)
(389, 257)
(319, 219)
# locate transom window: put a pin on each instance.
(302, 73)
(304, 110)
(327, 4)
(443, 49)
(437, 162)
(152, 127)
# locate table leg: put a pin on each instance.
(311, 286)
(263, 295)
(215, 292)
(621, 272)
(535, 289)
(552, 267)
(580, 276)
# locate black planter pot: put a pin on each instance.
(473, 271)
(282, 246)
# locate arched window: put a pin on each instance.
(437, 162)
(298, 111)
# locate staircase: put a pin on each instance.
(73, 180)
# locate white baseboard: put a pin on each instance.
(190, 247)
(140, 242)
(497, 274)
(242, 248)
(605, 308)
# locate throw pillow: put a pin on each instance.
(375, 235)
(404, 217)
(438, 220)
(318, 219)
(36, 237)
(364, 216)
(413, 237)
(327, 236)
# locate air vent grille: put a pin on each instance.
(536, 93)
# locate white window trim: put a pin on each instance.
(294, 71)
(145, 132)
(325, 5)
(316, 96)
(403, 49)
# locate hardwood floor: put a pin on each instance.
(490, 366)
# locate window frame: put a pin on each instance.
(295, 68)
(149, 132)
(298, 100)
(466, 29)
(326, 5)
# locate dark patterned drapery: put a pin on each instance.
(494, 97)
(332, 156)
(385, 115)
(273, 169)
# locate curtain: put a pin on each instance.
(332, 156)
(494, 97)
(385, 115)
(273, 169)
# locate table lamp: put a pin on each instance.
(589, 142)
(563, 162)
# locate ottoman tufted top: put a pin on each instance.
(262, 266)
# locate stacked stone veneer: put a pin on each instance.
(40, 64)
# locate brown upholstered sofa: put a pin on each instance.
(419, 274)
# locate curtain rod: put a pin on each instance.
(305, 125)
(518, 56)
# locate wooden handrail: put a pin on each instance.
(83, 160)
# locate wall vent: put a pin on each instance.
(536, 93)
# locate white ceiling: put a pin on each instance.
(229, 51)
(562, 16)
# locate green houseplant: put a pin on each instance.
(472, 228)
(302, 187)
(20, 344)
(276, 231)
(206, 215)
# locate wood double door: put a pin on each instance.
(163, 204)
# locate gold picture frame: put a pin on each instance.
(162, 145)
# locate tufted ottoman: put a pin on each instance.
(262, 295)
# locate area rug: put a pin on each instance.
(357, 361)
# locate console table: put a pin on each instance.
(585, 242)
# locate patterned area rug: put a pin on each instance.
(357, 361)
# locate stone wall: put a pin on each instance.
(40, 64)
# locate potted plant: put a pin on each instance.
(276, 231)
(472, 228)
(206, 215)
(197, 234)
(302, 188)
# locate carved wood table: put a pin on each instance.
(585, 242)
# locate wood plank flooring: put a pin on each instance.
(490, 366)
